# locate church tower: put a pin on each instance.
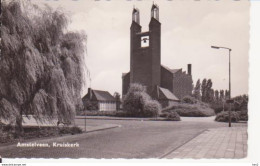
(163, 84)
(134, 41)
(155, 45)
(145, 51)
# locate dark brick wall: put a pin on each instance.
(155, 51)
(142, 67)
(125, 83)
(135, 44)
(179, 83)
(182, 84)
(166, 79)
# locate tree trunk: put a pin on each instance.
(19, 126)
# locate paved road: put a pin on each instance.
(134, 139)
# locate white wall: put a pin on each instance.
(107, 106)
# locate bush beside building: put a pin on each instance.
(224, 116)
(137, 103)
(191, 107)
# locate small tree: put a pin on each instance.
(216, 95)
(203, 90)
(212, 95)
(118, 102)
(196, 92)
(138, 103)
(208, 93)
(226, 94)
(221, 95)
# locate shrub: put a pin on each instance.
(134, 103)
(151, 108)
(70, 130)
(138, 103)
(6, 137)
(121, 114)
(198, 109)
(218, 107)
(189, 100)
(8, 128)
(195, 112)
(163, 115)
(240, 104)
(243, 115)
(170, 114)
(1, 124)
(90, 105)
(75, 130)
(173, 116)
(224, 116)
(64, 130)
(34, 132)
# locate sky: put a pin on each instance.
(188, 29)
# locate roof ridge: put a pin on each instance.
(171, 70)
(168, 94)
(99, 90)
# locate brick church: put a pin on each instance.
(162, 83)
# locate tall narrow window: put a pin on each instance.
(155, 12)
(135, 16)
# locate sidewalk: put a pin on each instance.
(217, 143)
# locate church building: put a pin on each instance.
(162, 83)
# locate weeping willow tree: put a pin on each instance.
(41, 64)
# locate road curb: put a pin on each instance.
(100, 129)
(112, 118)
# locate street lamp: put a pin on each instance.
(229, 101)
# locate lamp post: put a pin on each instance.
(229, 101)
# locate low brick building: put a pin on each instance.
(164, 96)
(145, 61)
(99, 100)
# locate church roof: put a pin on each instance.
(166, 94)
(99, 95)
(175, 70)
(103, 95)
(171, 70)
(124, 74)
